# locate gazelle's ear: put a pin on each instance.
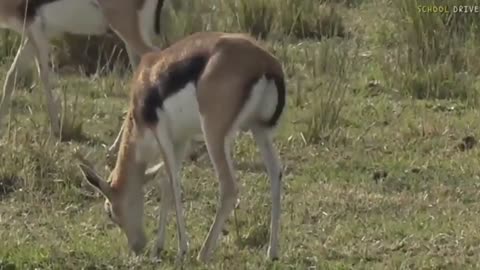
(92, 177)
(152, 172)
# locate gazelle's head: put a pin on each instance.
(123, 199)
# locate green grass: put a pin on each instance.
(377, 177)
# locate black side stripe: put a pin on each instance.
(170, 82)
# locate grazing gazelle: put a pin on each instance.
(135, 21)
(209, 83)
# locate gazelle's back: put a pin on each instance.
(226, 66)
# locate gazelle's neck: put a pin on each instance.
(128, 167)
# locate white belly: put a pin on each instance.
(183, 112)
(82, 17)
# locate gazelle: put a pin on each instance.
(209, 83)
(135, 21)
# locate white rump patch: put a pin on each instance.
(260, 105)
(268, 101)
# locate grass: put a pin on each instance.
(379, 140)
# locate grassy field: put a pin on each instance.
(379, 141)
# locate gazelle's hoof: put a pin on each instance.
(272, 254)
(179, 258)
(157, 253)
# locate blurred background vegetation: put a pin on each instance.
(401, 50)
(424, 54)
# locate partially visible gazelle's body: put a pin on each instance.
(135, 21)
(214, 84)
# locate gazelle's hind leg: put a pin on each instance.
(132, 27)
(41, 45)
(264, 140)
(219, 146)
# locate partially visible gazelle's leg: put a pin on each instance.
(133, 57)
(168, 201)
(166, 205)
(41, 45)
(264, 140)
(172, 155)
(129, 27)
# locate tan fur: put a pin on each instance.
(235, 62)
(125, 22)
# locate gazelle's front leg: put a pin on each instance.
(166, 204)
(172, 156)
(41, 45)
(168, 200)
